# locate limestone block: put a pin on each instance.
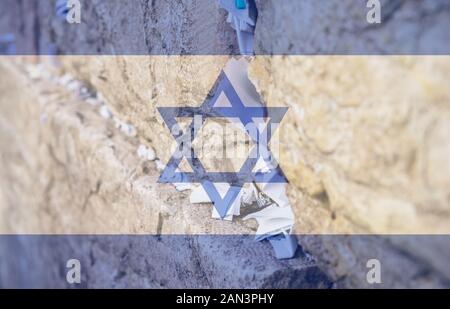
(68, 171)
(357, 147)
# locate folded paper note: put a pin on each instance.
(242, 15)
(284, 245)
(272, 220)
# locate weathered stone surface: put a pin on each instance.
(340, 27)
(364, 138)
(199, 27)
(85, 161)
(115, 27)
(146, 83)
(364, 145)
(356, 144)
(66, 170)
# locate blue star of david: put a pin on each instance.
(246, 115)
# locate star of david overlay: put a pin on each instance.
(208, 109)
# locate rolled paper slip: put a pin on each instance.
(284, 245)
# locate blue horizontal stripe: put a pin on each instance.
(306, 27)
(198, 261)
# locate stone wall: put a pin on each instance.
(367, 148)
(364, 144)
(68, 171)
